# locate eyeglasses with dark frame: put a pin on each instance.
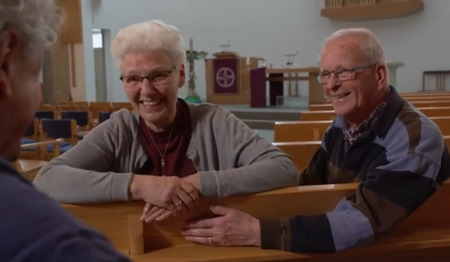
(341, 74)
(156, 78)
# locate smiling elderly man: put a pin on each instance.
(394, 151)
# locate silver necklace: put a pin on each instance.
(162, 162)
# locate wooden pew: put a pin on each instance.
(300, 130)
(300, 152)
(313, 130)
(431, 103)
(424, 94)
(320, 107)
(419, 99)
(317, 115)
(330, 114)
(443, 122)
(419, 103)
(425, 234)
(435, 111)
(426, 98)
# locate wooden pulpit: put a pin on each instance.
(227, 78)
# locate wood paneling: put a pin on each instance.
(71, 30)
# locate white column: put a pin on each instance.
(392, 68)
(89, 69)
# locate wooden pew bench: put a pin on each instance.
(431, 103)
(427, 98)
(300, 152)
(417, 103)
(330, 114)
(317, 115)
(443, 122)
(314, 130)
(300, 130)
(320, 107)
(424, 94)
(435, 111)
(426, 233)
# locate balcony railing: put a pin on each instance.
(369, 9)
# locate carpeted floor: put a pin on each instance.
(262, 119)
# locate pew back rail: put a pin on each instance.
(424, 233)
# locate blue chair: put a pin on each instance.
(30, 136)
(45, 114)
(96, 107)
(102, 116)
(33, 132)
(60, 128)
(33, 148)
(39, 150)
(82, 118)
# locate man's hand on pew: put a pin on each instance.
(169, 192)
(230, 227)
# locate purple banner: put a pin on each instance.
(258, 87)
(225, 76)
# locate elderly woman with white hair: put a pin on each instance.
(33, 227)
(167, 152)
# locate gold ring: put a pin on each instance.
(210, 241)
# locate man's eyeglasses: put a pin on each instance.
(341, 74)
(156, 79)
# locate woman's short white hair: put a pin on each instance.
(36, 20)
(147, 36)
